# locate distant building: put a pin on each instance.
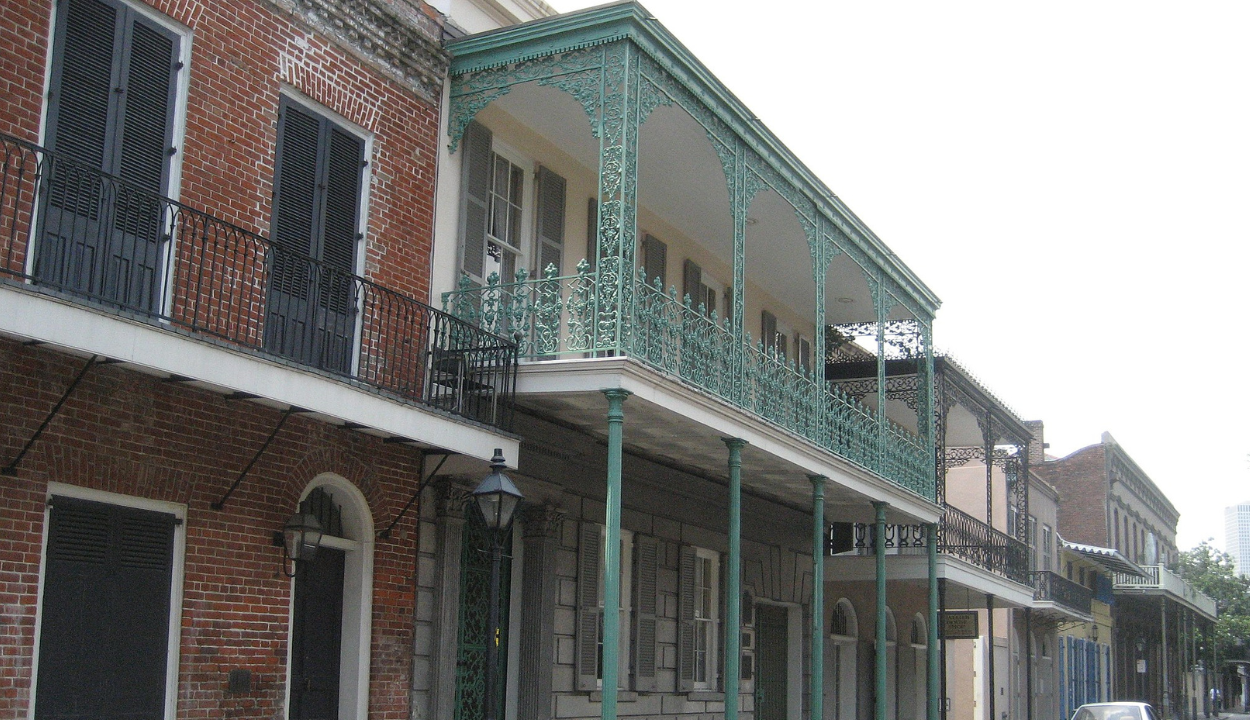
(1237, 535)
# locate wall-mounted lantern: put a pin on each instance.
(300, 538)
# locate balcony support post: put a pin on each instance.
(737, 320)
(942, 641)
(1163, 634)
(934, 668)
(1028, 663)
(818, 597)
(879, 548)
(612, 560)
(989, 607)
(733, 583)
(616, 231)
(987, 437)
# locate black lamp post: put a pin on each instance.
(300, 538)
(497, 499)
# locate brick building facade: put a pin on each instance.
(218, 223)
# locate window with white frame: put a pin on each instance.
(1046, 543)
(623, 639)
(501, 211)
(1033, 543)
(706, 611)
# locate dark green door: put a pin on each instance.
(770, 678)
(475, 564)
(316, 642)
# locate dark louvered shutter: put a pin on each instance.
(83, 76)
(104, 633)
(147, 105)
(336, 326)
(114, 84)
(319, 175)
(768, 330)
(646, 610)
(685, 619)
(589, 559)
(692, 282)
(475, 177)
(655, 261)
(551, 197)
(295, 193)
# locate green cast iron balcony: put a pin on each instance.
(561, 317)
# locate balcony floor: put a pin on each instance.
(31, 316)
(966, 588)
(668, 419)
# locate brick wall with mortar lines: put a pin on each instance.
(243, 53)
(1081, 480)
(128, 433)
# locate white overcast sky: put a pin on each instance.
(1072, 178)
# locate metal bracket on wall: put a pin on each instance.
(11, 468)
(292, 410)
(420, 487)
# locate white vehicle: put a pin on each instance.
(1115, 711)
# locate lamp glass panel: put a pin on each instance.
(489, 504)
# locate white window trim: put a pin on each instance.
(713, 644)
(529, 201)
(177, 579)
(355, 645)
(627, 600)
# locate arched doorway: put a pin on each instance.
(331, 607)
(840, 659)
(920, 666)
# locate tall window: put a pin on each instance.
(706, 609)
(623, 638)
(114, 83)
(319, 172)
(1033, 544)
(1046, 544)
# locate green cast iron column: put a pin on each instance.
(935, 666)
(879, 547)
(818, 596)
(733, 583)
(612, 551)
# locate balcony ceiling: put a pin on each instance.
(680, 180)
(683, 428)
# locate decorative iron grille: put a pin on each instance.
(557, 315)
(73, 230)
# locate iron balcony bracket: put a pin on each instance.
(292, 410)
(386, 534)
(11, 468)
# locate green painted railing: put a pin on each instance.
(559, 316)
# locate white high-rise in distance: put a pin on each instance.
(1237, 535)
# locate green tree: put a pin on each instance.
(1211, 571)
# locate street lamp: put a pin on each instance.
(300, 538)
(497, 499)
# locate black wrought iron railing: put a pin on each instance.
(973, 540)
(959, 534)
(1056, 588)
(73, 230)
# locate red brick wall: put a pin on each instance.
(128, 433)
(1081, 479)
(242, 52)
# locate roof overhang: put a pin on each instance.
(1109, 559)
